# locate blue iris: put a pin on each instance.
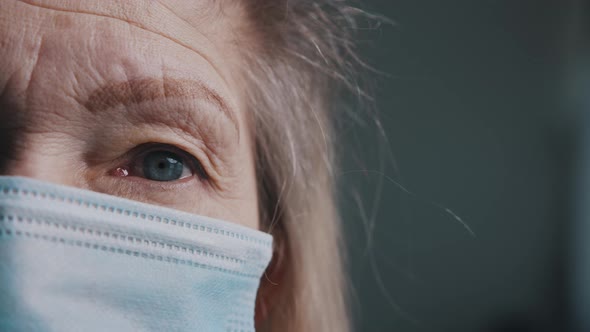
(162, 166)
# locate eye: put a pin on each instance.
(160, 162)
(164, 166)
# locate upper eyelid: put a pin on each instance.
(194, 121)
(185, 123)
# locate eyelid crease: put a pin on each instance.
(192, 125)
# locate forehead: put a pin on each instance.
(184, 21)
(110, 40)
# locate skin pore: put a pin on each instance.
(97, 94)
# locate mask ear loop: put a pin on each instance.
(268, 279)
(269, 290)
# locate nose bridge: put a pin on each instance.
(34, 160)
(40, 156)
(10, 125)
(34, 141)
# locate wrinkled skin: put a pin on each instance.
(85, 86)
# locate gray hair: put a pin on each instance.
(302, 58)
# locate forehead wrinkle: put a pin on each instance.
(122, 11)
(149, 89)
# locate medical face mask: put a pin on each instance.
(75, 260)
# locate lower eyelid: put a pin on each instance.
(153, 192)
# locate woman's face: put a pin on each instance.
(138, 99)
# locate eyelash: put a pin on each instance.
(137, 154)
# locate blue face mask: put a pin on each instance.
(75, 260)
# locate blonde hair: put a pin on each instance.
(304, 56)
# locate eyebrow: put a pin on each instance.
(149, 89)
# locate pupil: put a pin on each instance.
(162, 166)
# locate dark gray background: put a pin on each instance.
(477, 110)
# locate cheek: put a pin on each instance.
(247, 178)
(247, 202)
